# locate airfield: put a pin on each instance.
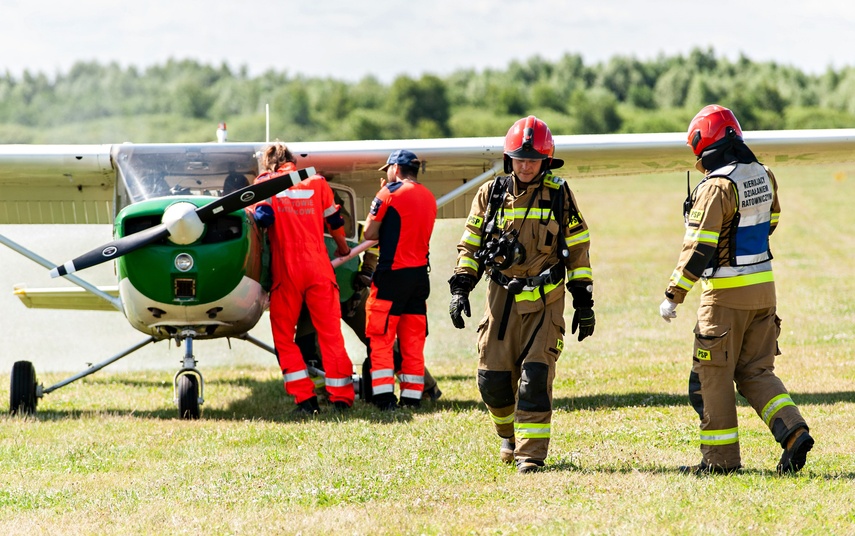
(108, 455)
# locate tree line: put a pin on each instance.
(183, 100)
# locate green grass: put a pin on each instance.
(106, 455)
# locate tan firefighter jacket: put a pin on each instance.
(709, 227)
(539, 232)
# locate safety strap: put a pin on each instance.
(552, 275)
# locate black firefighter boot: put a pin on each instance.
(795, 452)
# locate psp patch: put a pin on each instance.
(475, 221)
(704, 355)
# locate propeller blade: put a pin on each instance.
(249, 195)
(112, 250)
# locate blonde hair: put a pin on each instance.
(274, 156)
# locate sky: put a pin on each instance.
(386, 38)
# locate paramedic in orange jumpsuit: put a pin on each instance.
(295, 219)
(401, 218)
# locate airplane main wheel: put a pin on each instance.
(22, 391)
(188, 396)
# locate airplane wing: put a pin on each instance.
(88, 183)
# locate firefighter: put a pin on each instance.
(525, 231)
(301, 271)
(729, 217)
(401, 218)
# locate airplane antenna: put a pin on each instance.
(267, 122)
(688, 183)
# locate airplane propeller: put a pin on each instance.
(183, 222)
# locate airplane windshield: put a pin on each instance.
(160, 170)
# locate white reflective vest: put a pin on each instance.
(748, 246)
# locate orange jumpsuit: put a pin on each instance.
(302, 273)
(397, 303)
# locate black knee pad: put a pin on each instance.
(695, 398)
(496, 389)
(534, 392)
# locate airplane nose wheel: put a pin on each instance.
(22, 389)
(188, 384)
(188, 396)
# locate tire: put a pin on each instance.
(188, 397)
(22, 389)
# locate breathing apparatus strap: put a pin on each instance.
(497, 196)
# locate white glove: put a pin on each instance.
(668, 310)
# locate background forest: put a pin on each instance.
(183, 100)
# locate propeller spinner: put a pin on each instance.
(183, 222)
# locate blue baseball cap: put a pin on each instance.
(402, 157)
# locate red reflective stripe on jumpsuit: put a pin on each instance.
(302, 272)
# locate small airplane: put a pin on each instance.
(188, 257)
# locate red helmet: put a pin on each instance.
(712, 124)
(531, 139)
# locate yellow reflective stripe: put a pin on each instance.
(502, 420)
(720, 437)
(774, 405)
(680, 281)
(578, 238)
(580, 273)
(697, 235)
(533, 213)
(534, 294)
(774, 219)
(471, 238)
(714, 283)
(531, 430)
(466, 262)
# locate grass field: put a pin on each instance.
(106, 455)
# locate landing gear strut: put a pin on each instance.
(187, 383)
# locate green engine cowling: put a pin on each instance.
(229, 250)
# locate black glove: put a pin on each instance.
(584, 320)
(583, 303)
(461, 285)
(457, 308)
(361, 280)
